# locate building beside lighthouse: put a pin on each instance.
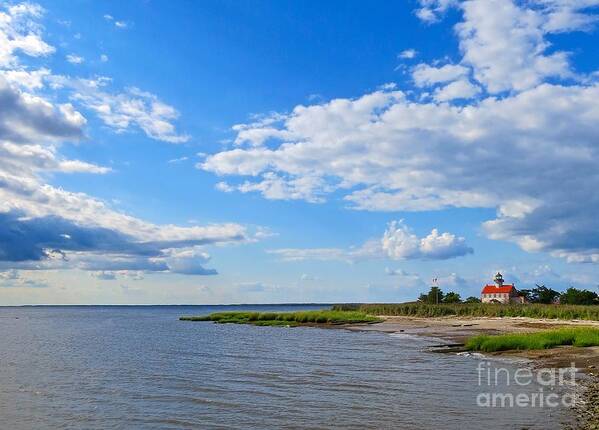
(501, 292)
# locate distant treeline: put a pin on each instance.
(477, 310)
(538, 294)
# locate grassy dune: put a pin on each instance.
(566, 312)
(287, 318)
(580, 336)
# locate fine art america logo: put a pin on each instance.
(508, 387)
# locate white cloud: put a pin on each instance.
(407, 54)
(74, 59)
(504, 41)
(430, 11)
(425, 75)
(46, 227)
(506, 47)
(177, 160)
(25, 79)
(77, 166)
(461, 89)
(390, 151)
(121, 111)
(188, 261)
(569, 15)
(20, 32)
(398, 243)
(103, 58)
(117, 23)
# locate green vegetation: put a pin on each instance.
(436, 296)
(566, 312)
(452, 297)
(541, 294)
(331, 317)
(579, 336)
(573, 296)
(433, 297)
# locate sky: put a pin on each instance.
(213, 152)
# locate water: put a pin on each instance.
(140, 368)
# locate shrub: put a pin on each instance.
(579, 336)
(482, 310)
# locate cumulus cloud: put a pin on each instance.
(507, 48)
(398, 243)
(188, 261)
(425, 75)
(530, 153)
(460, 89)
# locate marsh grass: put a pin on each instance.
(287, 318)
(566, 312)
(579, 336)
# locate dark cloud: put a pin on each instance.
(33, 238)
(25, 240)
(25, 120)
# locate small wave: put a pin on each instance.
(471, 354)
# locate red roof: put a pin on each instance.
(494, 289)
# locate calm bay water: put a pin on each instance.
(139, 367)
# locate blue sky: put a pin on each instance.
(266, 151)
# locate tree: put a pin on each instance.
(527, 294)
(574, 296)
(434, 296)
(452, 297)
(472, 299)
(545, 295)
(540, 294)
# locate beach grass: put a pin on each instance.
(329, 317)
(565, 312)
(578, 336)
